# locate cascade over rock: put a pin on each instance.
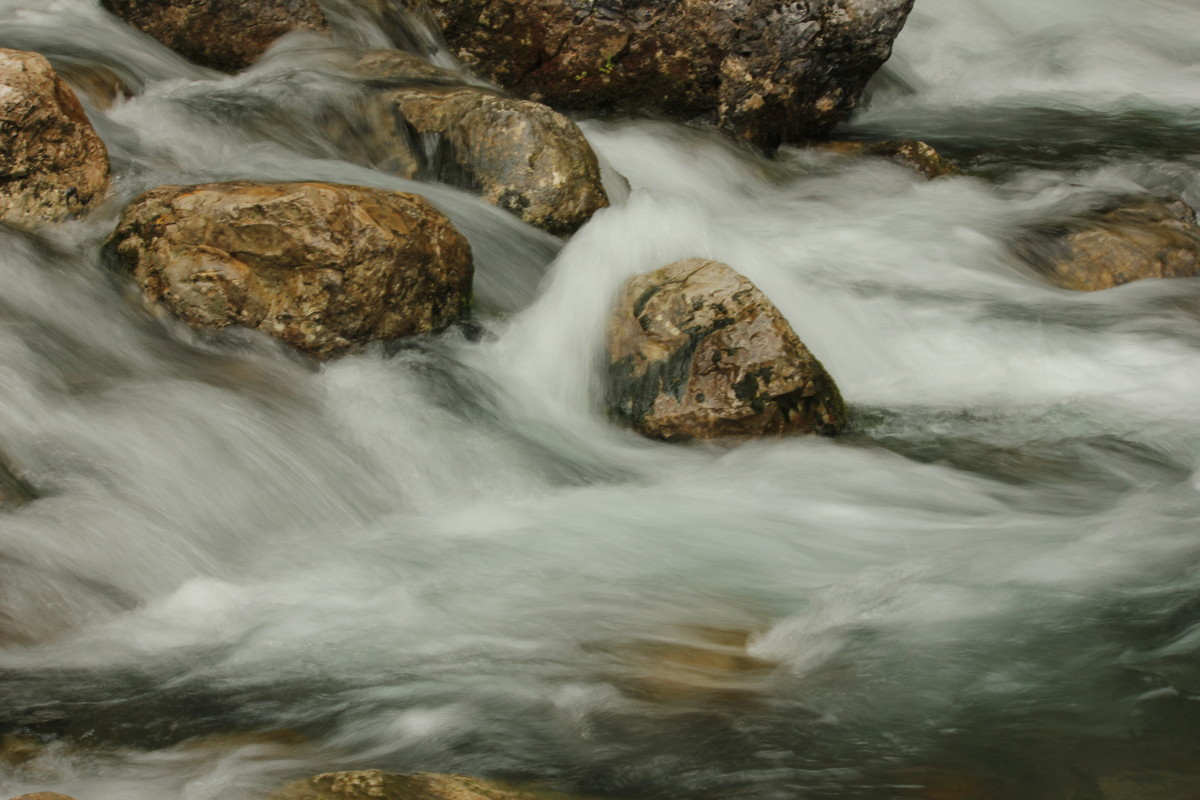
(52, 163)
(696, 351)
(323, 267)
(763, 71)
(228, 35)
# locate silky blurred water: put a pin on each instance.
(245, 568)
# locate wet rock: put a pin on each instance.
(696, 351)
(519, 155)
(698, 668)
(323, 267)
(14, 491)
(910, 153)
(228, 35)
(524, 157)
(373, 784)
(766, 72)
(1128, 240)
(52, 164)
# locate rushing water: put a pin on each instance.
(244, 568)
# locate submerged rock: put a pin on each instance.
(373, 784)
(228, 35)
(696, 351)
(763, 71)
(52, 164)
(519, 155)
(44, 796)
(14, 491)
(1132, 239)
(915, 155)
(323, 267)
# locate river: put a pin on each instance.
(244, 568)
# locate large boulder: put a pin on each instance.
(228, 35)
(373, 784)
(766, 72)
(52, 163)
(696, 351)
(519, 155)
(1126, 240)
(324, 267)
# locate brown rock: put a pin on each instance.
(524, 157)
(13, 490)
(1132, 239)
(373, 784)
(52, 163)
(323, 267)
(228, 35)
(764, 71)
(700, 667)
(695, 350)
(910, 153)
(519, 155)
(44, 796)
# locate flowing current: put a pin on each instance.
(244, 569)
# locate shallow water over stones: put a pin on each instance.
(442, 556)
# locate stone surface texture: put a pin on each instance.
(228, 35)
(323, 267)
(524, 157)
(1127, 240)
(521, 156)
(696, 351)
(52, 164)
(373, 784)
(764, 71)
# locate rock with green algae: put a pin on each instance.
(373, 784)
(696, 351)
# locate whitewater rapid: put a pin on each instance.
(444, 557)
